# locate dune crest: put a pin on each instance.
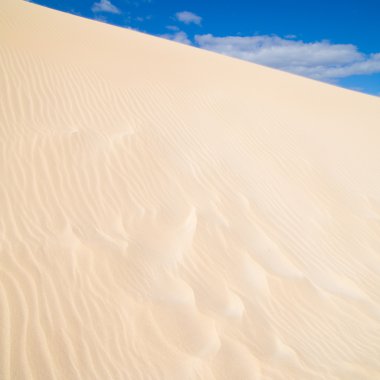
(170, 213)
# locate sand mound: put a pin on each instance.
(169, 213)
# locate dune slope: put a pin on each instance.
(170, 213)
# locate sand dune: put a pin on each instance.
(170, 213)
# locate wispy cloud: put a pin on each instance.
(320, 60)
(105, 6)
(143, 18)
(172, 27)
(179, 36)
(188, 18)
(101, 18)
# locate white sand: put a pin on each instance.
(169, 213)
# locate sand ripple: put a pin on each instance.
(167, 213)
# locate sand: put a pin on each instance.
(170, 213)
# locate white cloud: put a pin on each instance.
(105, 6)
(178, 37)
(320, 60)
(188, 18)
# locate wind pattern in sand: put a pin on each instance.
(169, 213)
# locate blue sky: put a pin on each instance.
(333, 41)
